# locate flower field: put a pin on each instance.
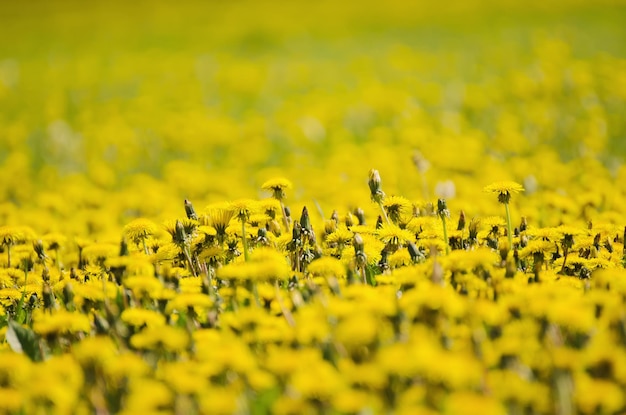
(329, 208)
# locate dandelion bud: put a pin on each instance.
(124, 247)
(179, 233)
(261, 234)
(305, 220)
(375, 184)
(39, 250)
(358, 243)
(330, 226)
(416, 254)
(524, 224)
(523, 241)
(461, 224)
(608, 245)
(473, 229)
(287, 212)
(360, 215)
(190, 211)
(297, 231)
(48, 297)
(349, 220)
(504, 249)
(274, 227)
(32, 301)
(27, 263)
(68, 294)
(335, 217)
(596, 241)
(442, 208)
(379, 222)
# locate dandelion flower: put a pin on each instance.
(167, 337)
(396, 207)
(392, 234)
(327, 267)
(277, 186)
(60, 322)
(504, 189)
(138, 317)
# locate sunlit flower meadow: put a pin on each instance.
(329, 208)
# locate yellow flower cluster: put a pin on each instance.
(222, 211)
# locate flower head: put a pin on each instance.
(277, 186)
(139, 229)
(504, 190)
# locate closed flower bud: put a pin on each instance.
(358, 243)
(190, 211)
(305, 220)
(375, 184)
(442, 208)
(461, 224)
(360, 215)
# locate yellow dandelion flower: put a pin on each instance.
(537, 246)
(467, 403)
(264, 264)
(397, 207)
(277, 186)
(125, 366)
(167, 337)
(270, 207)
(243, 208)
(259, 219)
(212, 255)
(100, 251)
(566, 230)
(60, 322)
(219, 218)
(459, 260)
(399, 258)
(13, 235)
(341, 236)
(54, 241)
(183, 301)
(139, 229)
(11, 400)
(138, 317)
(147, 396)
(327, 267)
(95, 350)
(543, 233)
(142, 284)
(392, 234)
(504, 189)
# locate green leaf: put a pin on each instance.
(369, 275)
(23, 340)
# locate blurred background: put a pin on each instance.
(124, 108)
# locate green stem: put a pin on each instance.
(445, 234)
(244, 240)
(58, 260)
(382, 209)
(508, 226)
(188, 256)
(565, 252)
(284, 213)
(145, 247)
(8, 255)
